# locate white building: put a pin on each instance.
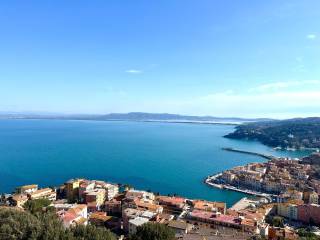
(135, 223)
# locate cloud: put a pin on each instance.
(311, 36)
(133, 71)
(273, 104)
(275, 100)
(276, 86)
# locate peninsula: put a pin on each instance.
(289, 134)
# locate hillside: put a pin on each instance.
(293, 133)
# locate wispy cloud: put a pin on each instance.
(133, 71)
(276, 86)
(276, 100)
(311, 36)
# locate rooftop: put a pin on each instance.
(138, 221)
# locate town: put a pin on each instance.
(290, 203)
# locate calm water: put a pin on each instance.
(162, 157)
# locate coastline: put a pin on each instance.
(209, 182)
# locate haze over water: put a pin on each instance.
(162, 157)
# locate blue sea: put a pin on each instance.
(170, 158)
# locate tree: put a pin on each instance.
(305, 234)
(91, 232)
(153, 231)
(52, 228)
(15, 224)
(277, 221)
(37, 205)
(20, 225)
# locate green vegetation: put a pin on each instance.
(275, 221)
(153, 231)
(37, 206)
(91, 232)
(293, 133)
(305, 234)
(19, 225)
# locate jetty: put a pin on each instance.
(248, 152)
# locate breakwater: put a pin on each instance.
(248, 152)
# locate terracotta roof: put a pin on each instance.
(30, 186)
(69, 216)
(149, 206)
(172, 200)
(178, 225)
(102, 216)
(19, 197)
(204, 205)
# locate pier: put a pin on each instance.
(248, 152)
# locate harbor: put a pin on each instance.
(210, 181)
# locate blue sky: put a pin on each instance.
(202, 57)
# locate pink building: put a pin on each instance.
(309, 213)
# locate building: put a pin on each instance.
(311, 197)
(18, 199)
(276, 233)
(163, 218)
(45, 193)
(72, 189)
(146, 206)
(143, 195)
(172, 204)
(85, 186)
(111, 190)
(97, 195)
(180, 227)
(135, 223)
(309, 214)
(228, 177)
(99, 218)
(27, 188)
(77, 214)
(129, 214)
(210, 219)
(314, 198)
(288, 210)
(209, 206)
(113, 207)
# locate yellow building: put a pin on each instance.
(45, 193)
(72, 189)
(97, 195)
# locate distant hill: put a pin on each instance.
(293, 133)
(133, 116)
